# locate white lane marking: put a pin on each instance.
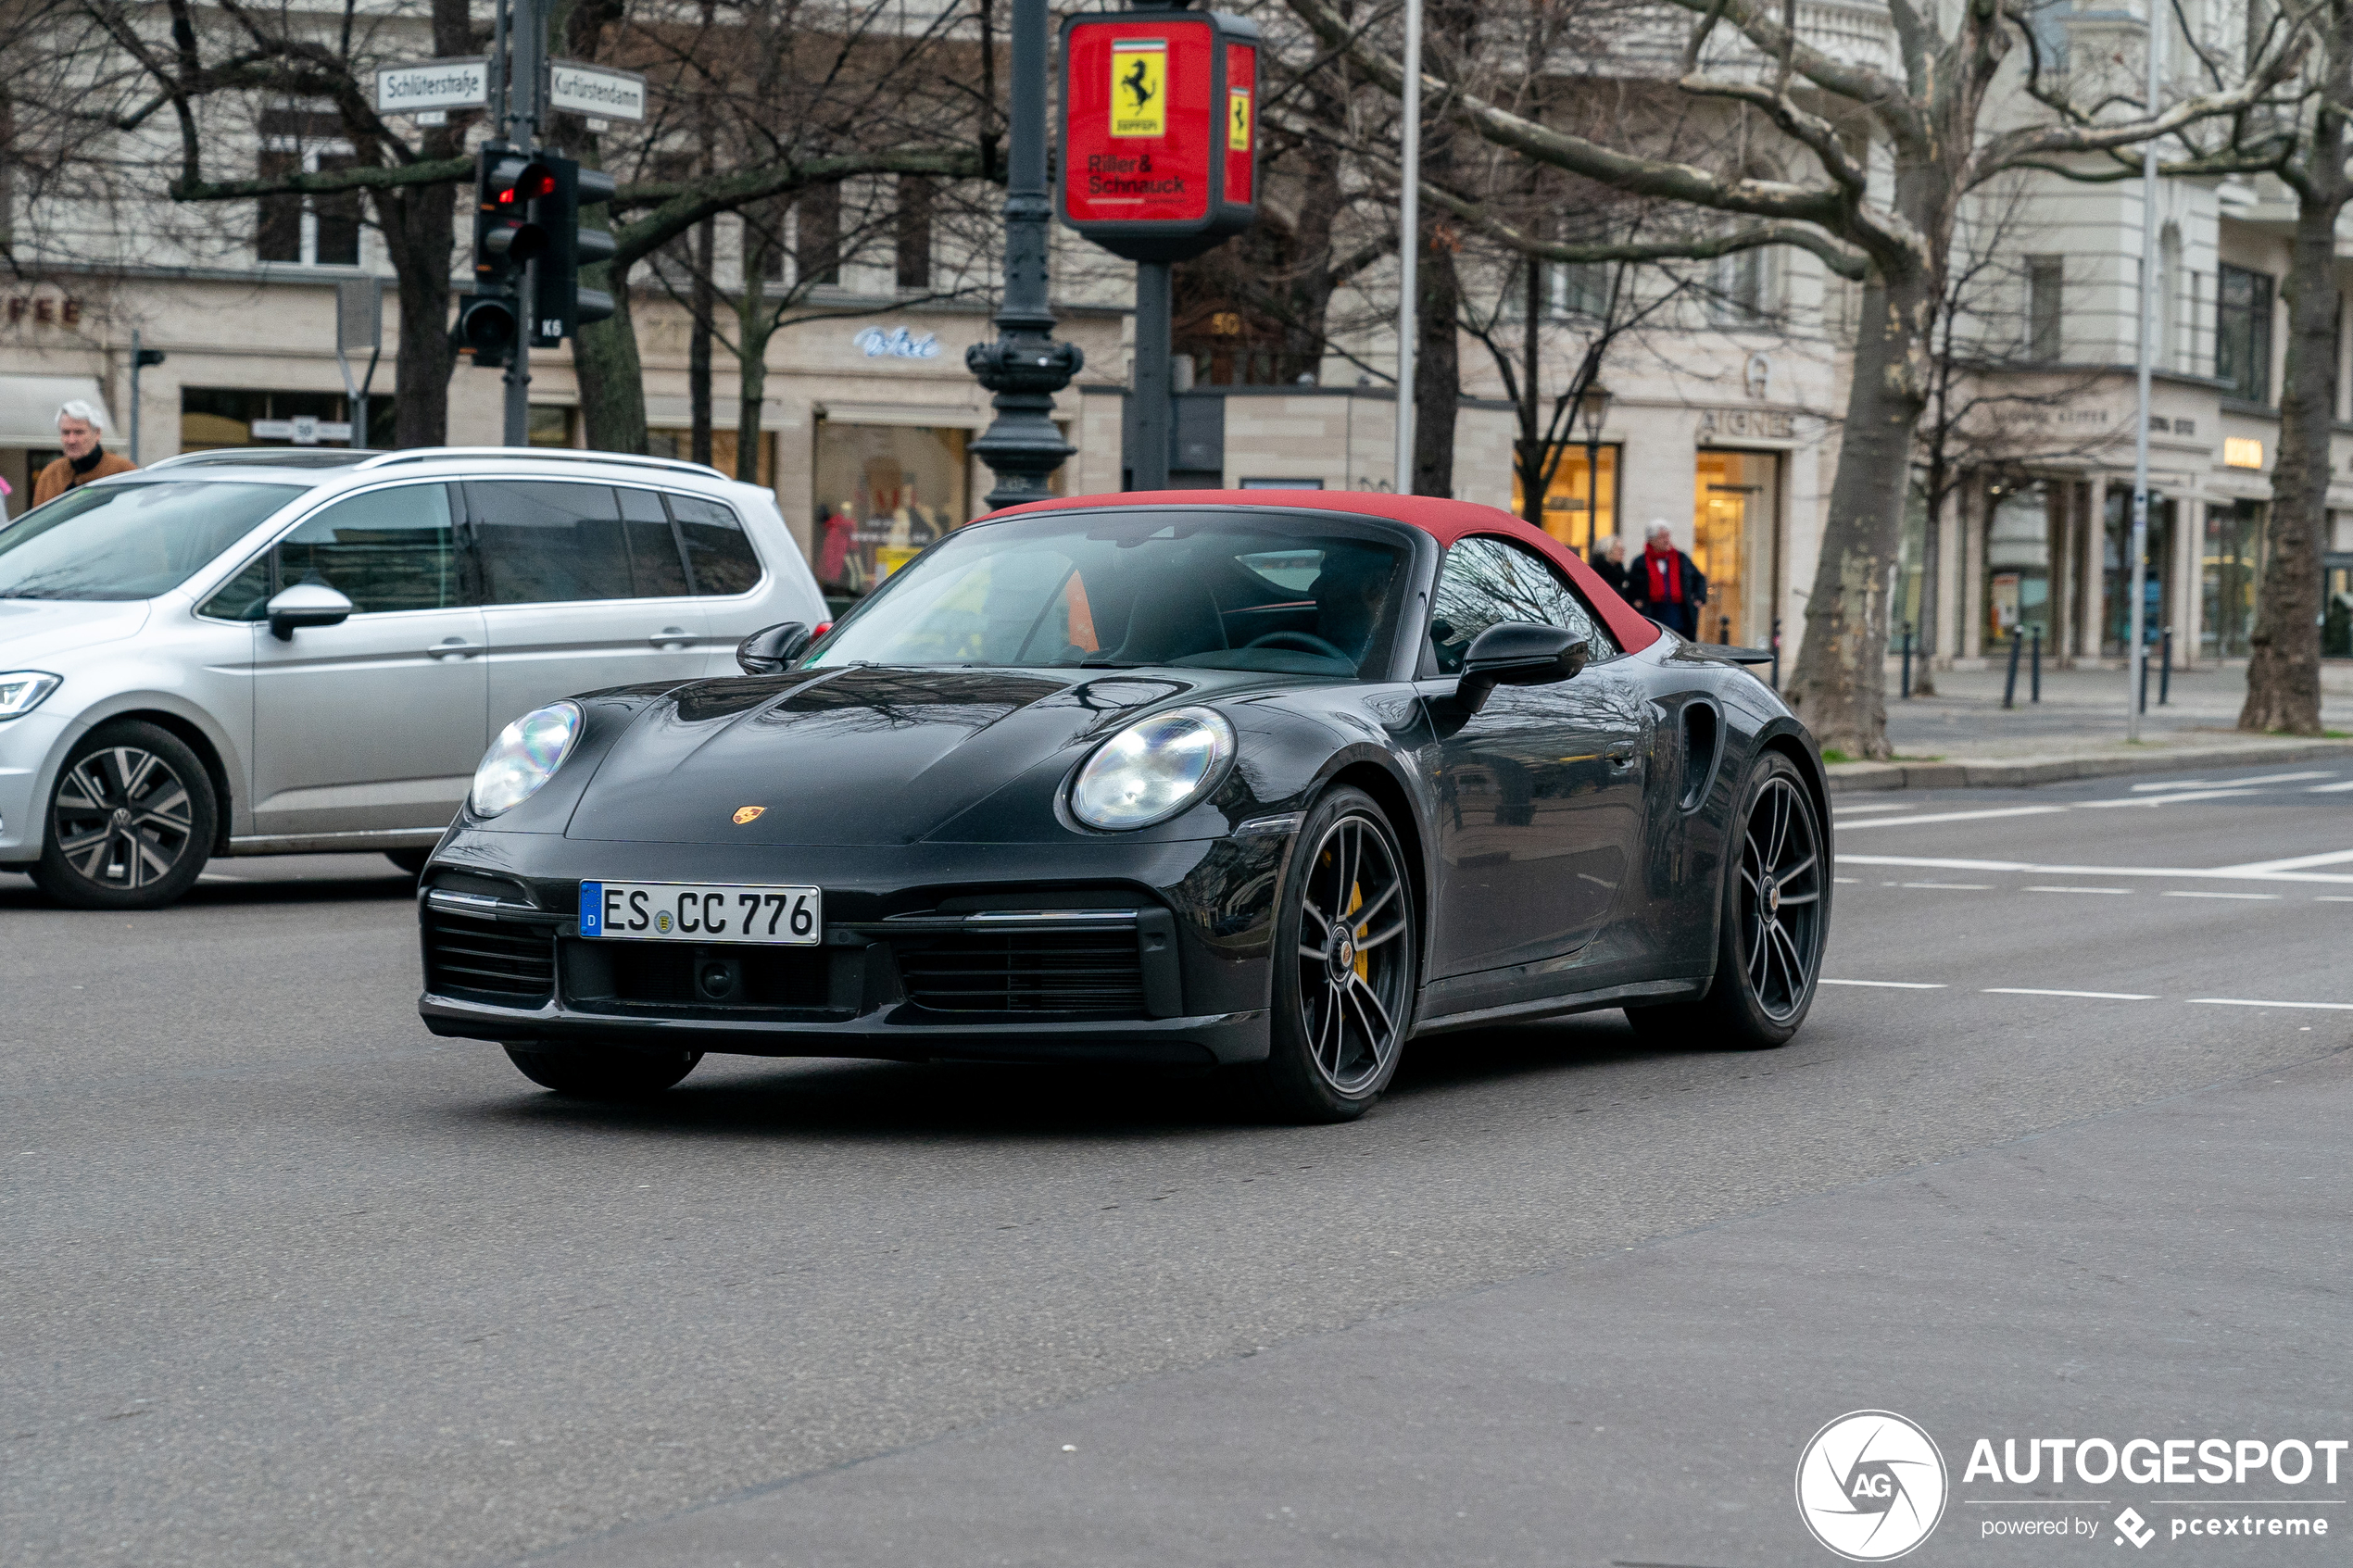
(2241, 784)
(2332, 898)
(1951, 863)
(1892, 806)
(2095, 995)
(2242, 1002)
(1852, 881)
(2296, 863)
(2177, 893)
(1956, 887)
(2078, 890)
(1953, 817)
(2331, 789)
(2169, 799)
(1890, 984)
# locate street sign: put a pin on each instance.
(359, 314)
(599, 92)
(458, 83)
(1159, 130)
(303, 430)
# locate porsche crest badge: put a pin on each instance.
(747, 814)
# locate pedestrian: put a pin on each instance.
(1665, 584)
(79, 423)
(1610, 562)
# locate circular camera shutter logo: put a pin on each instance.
(1871, 1485)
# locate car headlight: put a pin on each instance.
(22, 691)
(525, 756)
(1152, 769)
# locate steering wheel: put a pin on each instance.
(1300, 642)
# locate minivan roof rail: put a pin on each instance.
(548, 454)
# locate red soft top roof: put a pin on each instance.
(1443, 519)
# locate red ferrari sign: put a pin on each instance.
(1159, 130)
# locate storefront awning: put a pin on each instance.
(28, 407)
(927, 416)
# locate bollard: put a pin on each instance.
(2009, 687)
(2144, 679)
(2165, 672)
(1724, 630)
(2034, 688)
(1907, 687)
(1776, 653)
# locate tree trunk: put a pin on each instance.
(419, 229)
(1840, 684)
(755, 325)
(604, 355)
(1437, 371)
(705, 300)
(2284, 675)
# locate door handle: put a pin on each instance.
(453, 647)
(1621, 757)
(671, 637)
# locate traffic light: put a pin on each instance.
(560, 306)
(508, 189)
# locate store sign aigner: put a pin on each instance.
(1159, 130)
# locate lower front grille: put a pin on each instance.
(683, 974)
(1100, 973)
(512, 962)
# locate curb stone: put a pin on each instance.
(1851, 778)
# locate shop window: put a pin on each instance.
(672, 442)
(2046, 306)
(1570, 497)
(552, 424)
(215, 416)
(2243, 334)
(2230, 569)
(1736, 543)
(1911, 578)
(2116, 576)
(883, 492)
(2018, 529)
(913, 232)
(2337, 608)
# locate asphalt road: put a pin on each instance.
(285, 1280)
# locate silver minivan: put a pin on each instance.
(282, 651)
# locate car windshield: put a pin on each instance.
(1200, 590)
(128, 541)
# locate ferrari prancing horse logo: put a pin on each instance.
(747, 814)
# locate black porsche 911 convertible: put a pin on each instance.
(1264, 782)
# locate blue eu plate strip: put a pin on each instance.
(592, 908)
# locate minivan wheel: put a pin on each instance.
(131, 821)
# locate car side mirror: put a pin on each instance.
(306, 604)
(1518, 653)
(770, 649)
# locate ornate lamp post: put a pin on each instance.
(1025, 367)
(1593, 409)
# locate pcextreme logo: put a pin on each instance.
(1871, 1485)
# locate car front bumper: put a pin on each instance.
(27, 746)
(1091, 951)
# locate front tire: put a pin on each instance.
(1347, 964)
(606, 1073)
(1768, 954)
(131, 821)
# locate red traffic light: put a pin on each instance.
(519, 182)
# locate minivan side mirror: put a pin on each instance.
(306, 604)
(1518, 653)
(769, 651)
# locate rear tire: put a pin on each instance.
(1768, 950)
(606, 1073)
(1347, 964)
(131, 821)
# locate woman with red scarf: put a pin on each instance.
(1664, 583)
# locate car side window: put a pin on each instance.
(545, 542)
(244, 596)
(719, 558)
(384, 550)
(1487, 579)
(656, 569)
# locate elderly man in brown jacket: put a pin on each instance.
(79, 423)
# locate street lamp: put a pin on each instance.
(1593, 409)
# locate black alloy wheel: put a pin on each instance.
(131, 821)
(607, 1072)
(1768, 954)
(1344, 987)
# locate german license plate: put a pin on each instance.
(702, 911)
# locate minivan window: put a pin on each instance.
(128, 541)
(717, 555)
(655, 570)
(545, 542)
(384, 550)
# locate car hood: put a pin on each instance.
(35, 632)
(869, 755)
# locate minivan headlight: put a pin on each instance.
(1152, 769)
(22, 691)
(525, 756)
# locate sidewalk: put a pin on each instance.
(1963, 737)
